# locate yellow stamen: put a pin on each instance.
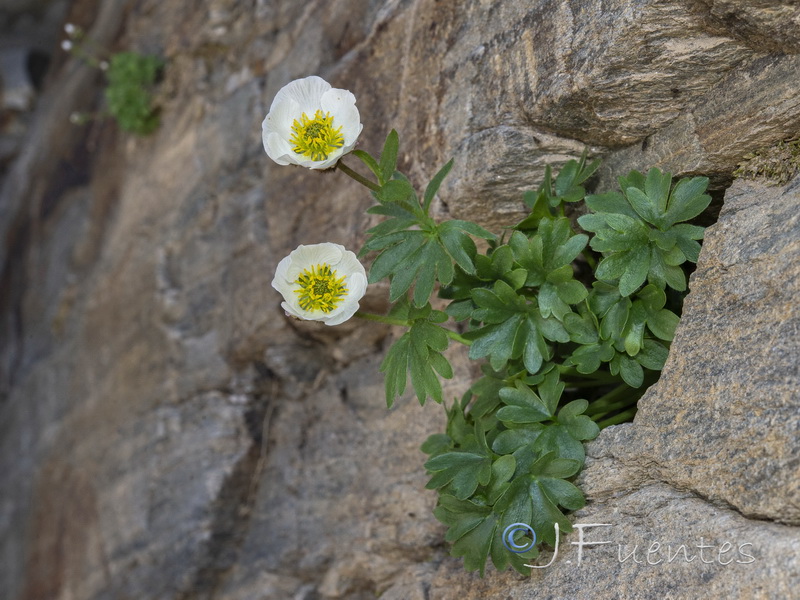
(316, 138)
(320, 289)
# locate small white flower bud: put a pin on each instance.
(66, 45)
(69, 28)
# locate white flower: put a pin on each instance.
(66, 45)
(70, 28)
(321, 282)
(311, 124)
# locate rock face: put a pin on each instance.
(166, 433)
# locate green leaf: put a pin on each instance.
(633, 334)
(460, 310)
(463, 471)
(462, 516)
(687, 200)
(550, 303)
(534, 350)
(503, 468)
(418, 353)
(433, 186)
(562, 492)
(492, 339)
(426, 276)
(395, 190)
(550, 391)
(566, 187)
(459, 246)
(636, 271)
(629, 369)
(522, 405)
(475, 545)
(392, 210)
(587, 359)
(395, 369)
(656, 186)
(642, 204)
(371, 164)
(391, 226)
(469, 227)
(610, 202)
(613, 322)
(572, 292)
(557, 439)
(511, 440)
(568, 251)
(653, 355)
(388, 162)
(437, 443)
(545, 514)
(691, 232)
(663, 324)
(393, 258)
(576, 423)
(689, 248)
(404, 277)
(581, 329)
(613, 266)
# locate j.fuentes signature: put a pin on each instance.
(655, 553)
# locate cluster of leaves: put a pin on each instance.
(130, 77)
(550, 332)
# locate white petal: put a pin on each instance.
(333, 157)
(306, 92)
(306, 256)
(280, 118)
(279, 149)
(291, 310)
(280, 272)
(357, 286)
(349, 263)
(342, 105)
(347, 311)
(286, 289)
(348, 146)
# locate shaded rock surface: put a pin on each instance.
(166, 433)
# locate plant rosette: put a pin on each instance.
(311, 124)
(568, 351)
(321, 282)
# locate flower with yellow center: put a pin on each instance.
(321, 282)
(311, 124)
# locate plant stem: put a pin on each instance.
(597, 376)
(589, 258)
(618, 418)
(454, 336)
(382, 319)
(586, 383)
(403, 323)
(358, 177)
(612, 399)
(611, 409)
